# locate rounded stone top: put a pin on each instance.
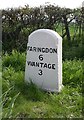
(47, 31)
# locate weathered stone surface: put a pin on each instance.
(44, 60)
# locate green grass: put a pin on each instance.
(0, 85)
(31, 102)
(0, 64)
(73, 29)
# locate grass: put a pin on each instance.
(0, 65)
(28, 101)
(72, 29)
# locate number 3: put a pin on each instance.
(40, 72)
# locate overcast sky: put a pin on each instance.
(17, 3)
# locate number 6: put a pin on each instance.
(41, 57)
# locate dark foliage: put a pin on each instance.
(18, 23)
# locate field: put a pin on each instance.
(28, 101)
(21, 100)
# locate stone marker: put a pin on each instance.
(44, 60)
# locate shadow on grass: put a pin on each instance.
(31, 92)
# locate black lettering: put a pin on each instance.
(40, 72)
(41, 64)
(41, 57)
(38, 49)
(45, 65)
(49, 66)
(53, 66)
(47, 50)
(30, 49)
(43, 50)
(54, 50)
(32, 63)
(34, 49)
(28, 62)
(37, 64)
(51, 50)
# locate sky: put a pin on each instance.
(4, 4)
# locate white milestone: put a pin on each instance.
(44, 60)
